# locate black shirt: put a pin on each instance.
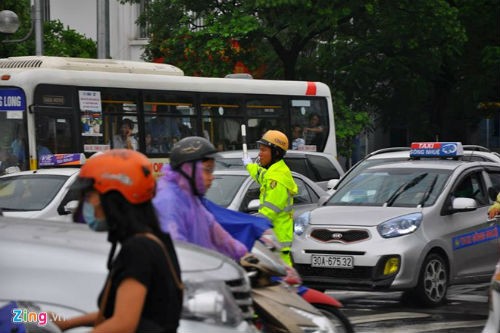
(143, 259)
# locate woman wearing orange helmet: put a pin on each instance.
(143, 292)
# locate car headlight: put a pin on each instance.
(399, 226)
(211, 302)
(323, 324)
(300, 223)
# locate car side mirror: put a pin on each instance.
(463, 205)
(253, 205)
(71, 207)
(331, 184)
(492, 193)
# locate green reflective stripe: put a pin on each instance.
(275, 208)
(286, 244)
(270, 206)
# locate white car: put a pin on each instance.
(43, 193)
(319, 167)
(236, 190)
(61, 267)
(417, 225)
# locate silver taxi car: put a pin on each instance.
(418, 225)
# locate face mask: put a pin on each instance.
(88, 212)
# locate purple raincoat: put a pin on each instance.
(183, 215)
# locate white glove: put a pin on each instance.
(246, 160)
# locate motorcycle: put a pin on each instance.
(256, 233)
(278, 304)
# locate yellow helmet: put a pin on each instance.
(273, 138)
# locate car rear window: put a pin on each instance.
(224, 189)
(323, 168)
(29, 193)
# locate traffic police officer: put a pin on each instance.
(277, 187)
(494, 209)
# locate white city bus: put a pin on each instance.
(53, 105)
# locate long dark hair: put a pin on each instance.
(126, 220)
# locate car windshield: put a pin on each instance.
(224, 189)
(356, 169)
(401, 187)
(228, 163)
(21, 193)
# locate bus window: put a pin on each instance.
(13, 144)
(222, 119)
(12, 125)
(267, 113)
(168, 117)
(53, 133)
(110, 120)
(312, 116)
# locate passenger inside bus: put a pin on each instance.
(125, 138)
(150, 148)
(164, 130)
(8, 162)
(297, 137)
(17, 148)
(314, 131)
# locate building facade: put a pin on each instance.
(126, 38)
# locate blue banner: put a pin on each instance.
(12, 99)
(474, 238)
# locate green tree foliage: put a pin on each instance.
(417, 68)
(199, 35)
(352, 123)
(478, 72)
(57, 40)
(23, 11)
(66, 42)
(396, 59)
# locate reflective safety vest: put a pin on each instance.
(277, 189)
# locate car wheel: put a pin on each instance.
(432, 282)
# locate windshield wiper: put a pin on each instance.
(428, 192)
(403, 188)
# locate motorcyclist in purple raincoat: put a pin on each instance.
(178, 199)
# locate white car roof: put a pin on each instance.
(254, 152)
(405, 153)
(50, 171)
(423, 164)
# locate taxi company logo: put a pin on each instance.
(337, 235)
(449, 148)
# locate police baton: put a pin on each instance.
(244, 140)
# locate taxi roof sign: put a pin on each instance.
(55, 160)
(436, 149)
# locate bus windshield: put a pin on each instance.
(13, 143)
